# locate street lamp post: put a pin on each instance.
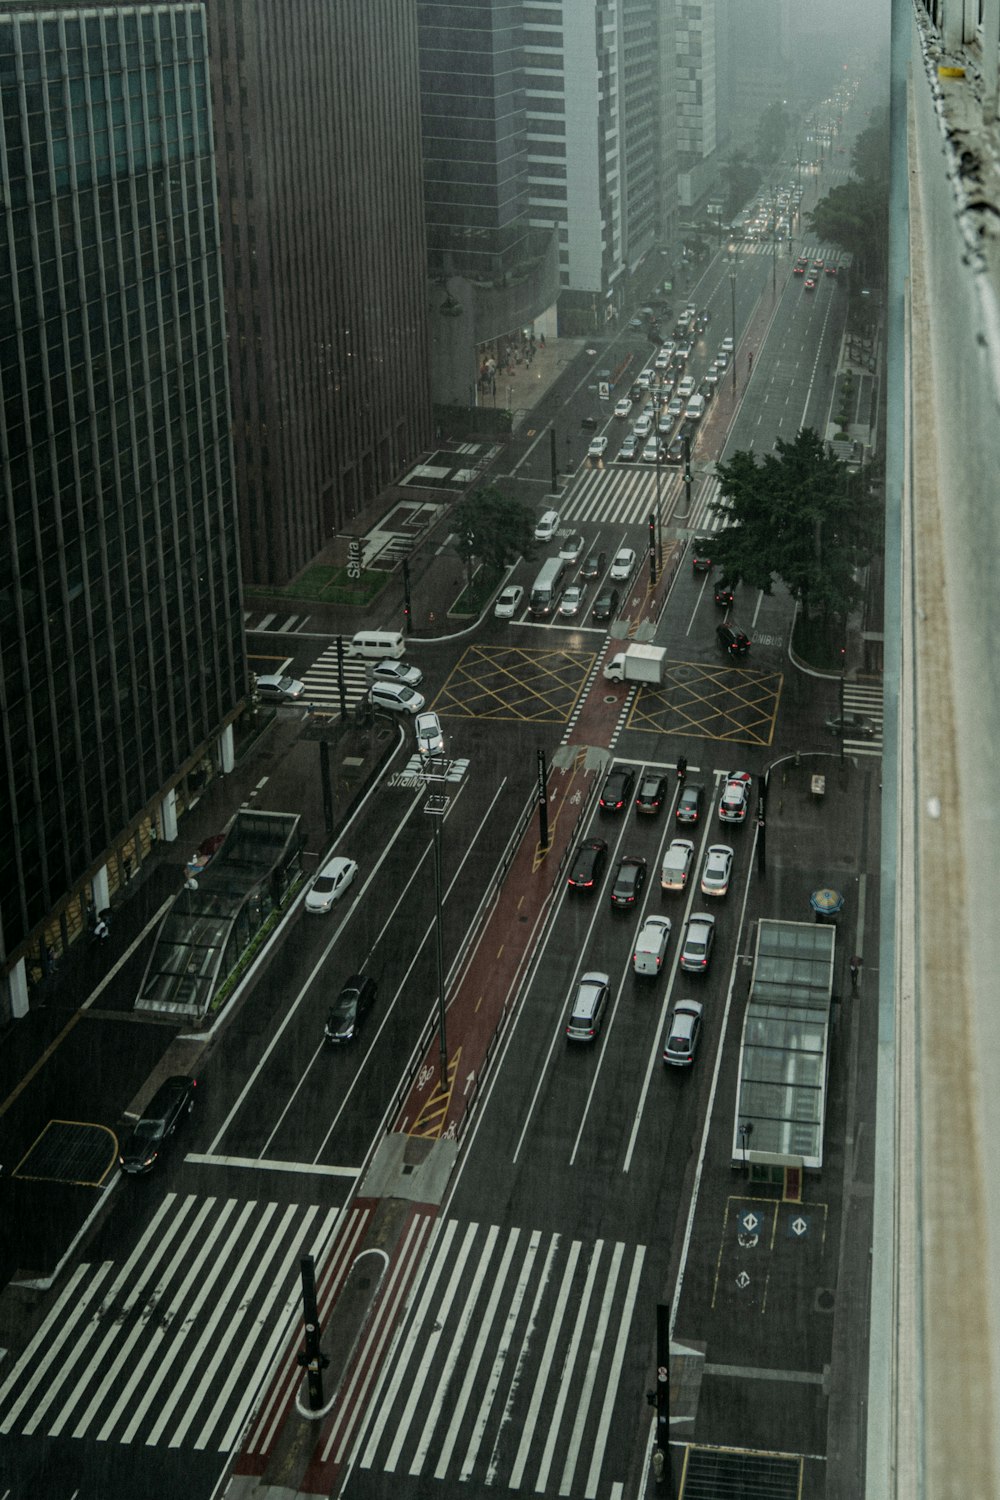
(440, 770)
(745, 1132)
(732, 293)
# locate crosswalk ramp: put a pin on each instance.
(322, 682)
(508, 1368)
(170, 1347)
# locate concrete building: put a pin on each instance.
(695, 72)
(317, 120)
(121, 638)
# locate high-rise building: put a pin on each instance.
(695, 68)
(121, 638)
(317, 116)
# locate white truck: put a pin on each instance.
(637, 664)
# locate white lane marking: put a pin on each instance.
(607, 1405)
(257, 1164)
(493, 1466)
(55, 1333)
(569, 1363)
(535, 1406)
(587, 1385)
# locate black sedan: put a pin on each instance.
(652, 793)
(630, 877)
(159, 1120)
(353, 1004)
(588, 863)
(618, 789)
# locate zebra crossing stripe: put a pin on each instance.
(548, 1355)
(548, 1452)
(607, 1406)
(518, 1372)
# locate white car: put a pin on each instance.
(685, 387)
(655, 449)
(598, 447)
(643, 426)
(508, 602)
(623, 565)
(623, 408)
(651, 946)
(735, 800)
(572, 547)
(396, 696)
(569, 604)
(330, 884)
(727, 346)
(668, 348)
(397, 671)
(662, 361)
(721, 361)
(677, 865)
(683, 1030)
(280, 688)
(547, 526)
(430, 740)
(645, 379)
(717, 870)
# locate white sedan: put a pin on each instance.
(330, 884)
(598, 447)
(623, 408)
(623, 565)
(717, 870)
(430, 738)
(569, 604)
(508, 602)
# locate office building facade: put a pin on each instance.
(121, 639)
(318, 135)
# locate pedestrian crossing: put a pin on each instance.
(625, 497)
(170, 1347)
(508, 1368)
(865, 698)
(274, 622)
(321, 681)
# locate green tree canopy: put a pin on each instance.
(742, 179)
(772, 127)
(489, 525)
(799, 516)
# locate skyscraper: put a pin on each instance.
(121, 644)
(318, 132)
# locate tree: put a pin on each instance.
(799, 516)
(772, 127)
(853, 216)
(742, 179)
(492, 527)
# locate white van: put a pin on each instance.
(695, 409)
(376, 644)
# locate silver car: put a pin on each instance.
(397, 671)
(569, 604)
(699, 935)
(683, 1031)
(717, 870)
(623, 565)
(279, 687)
(430, 739)
(508, 602)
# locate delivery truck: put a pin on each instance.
(637, 664)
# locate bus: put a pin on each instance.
(547, 588)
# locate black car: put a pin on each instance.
(637, 392)
(675, 450)
(618, 789)
(589, 423)
(701, 554)
(172, 1101)
(733, 641)
(588, 865)
(630, 877)
(652, 793)
(689, 803)
(594, 565)
(725, 593)
(605, 605)
(353, 1004)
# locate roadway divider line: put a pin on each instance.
(261, 1164)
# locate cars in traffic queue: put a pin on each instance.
(430, 737)
(598, 447)
(685, 388)
(674, 409)
(732, 640)
(644, 425)
(508, 602)
(653, 450)
(734, 801)
(651, 946)
(588, 423)
(830, 271)
(725, 593)
(157, 1124)
(852, 726)
(623, 407)
(623, 565)
(701, 554)
(396, 696)
(594, 564)
(689, 803)
(572, 599)
(329, 884)
(652, 793)
(678, 858)
(809, 284)
(618, 787)
(278, 687)
(392, 670)
(699, 937)
(683, 1031)
(630, 447)
(348, 1011)
(630, 877)
(676, 446)
(665, 425)
(727, 345)
(717, 871)
(587, 865)
(605, 606)
(546, 526)
(590, 1002)
(721, 362)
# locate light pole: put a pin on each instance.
(438, 770)
(774, 242)
(745, 1132)
(732, 293)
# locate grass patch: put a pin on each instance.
(818, 642)
(323, 584)
(475, 596)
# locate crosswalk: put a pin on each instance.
(865, 698)
(507, 1370)
(321, 681)
(274, 622)
(171, 1346)
(625, 497)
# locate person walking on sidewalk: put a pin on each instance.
(855, 967)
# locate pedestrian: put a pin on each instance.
(855, 967)
(101, 931)
(541, 341)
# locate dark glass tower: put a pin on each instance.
(121, 648)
